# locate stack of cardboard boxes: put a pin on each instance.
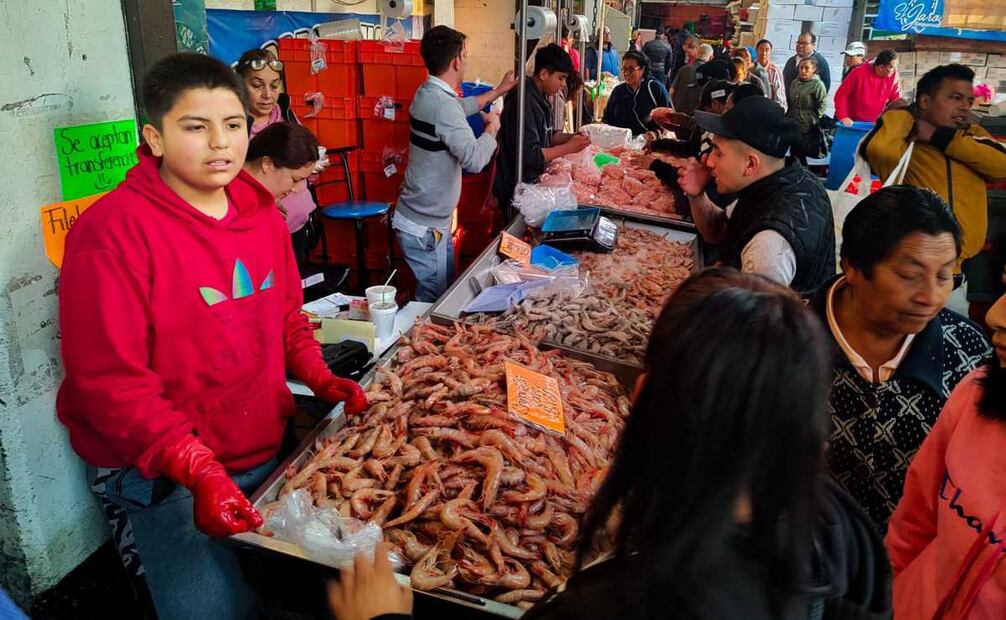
(782, 21)
(989, 68)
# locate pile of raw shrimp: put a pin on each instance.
(474, 499)
(621, 185)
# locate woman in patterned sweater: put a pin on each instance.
(898, 352)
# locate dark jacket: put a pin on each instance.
(538, 134)
(849, 578)
(630, 109)
(823, 70)
(792, 202)
(661, 56)
(877, 427)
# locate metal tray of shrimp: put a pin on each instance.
(644, 218)
(269, 491)
(479, 276)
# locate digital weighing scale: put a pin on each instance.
(583, 228)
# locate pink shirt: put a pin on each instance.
(945, 539)
(863, 94)
(299, 205)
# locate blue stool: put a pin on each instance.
(357, 211)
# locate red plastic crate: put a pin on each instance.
(341, 242)
(376, 184)
(379, 132)
(340, 79)
(475, 189)
(396, 72)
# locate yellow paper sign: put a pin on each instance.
(534, 398)
(57, 219)
(516, 249)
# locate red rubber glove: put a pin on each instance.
(338, 390)
(220, 508)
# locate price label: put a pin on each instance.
(534, 398)
(389, 113)
(514, 248)
(390, 170)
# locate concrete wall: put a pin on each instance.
(491, 39)
(65, 63)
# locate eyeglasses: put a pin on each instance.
(630, 70)
(258, 64)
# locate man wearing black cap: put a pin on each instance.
(781, 226)
(687, 86)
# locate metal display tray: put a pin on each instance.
(335, 421)
(479, 276)
(646, 218)
(269, 490)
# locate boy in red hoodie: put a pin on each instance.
(947, 538)
(180, 317)
(867, 90)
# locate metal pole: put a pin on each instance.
(583, 80)
(521, 96)
(558, 111)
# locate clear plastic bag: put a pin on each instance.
(318, 48)
(607, 136)
(322, 533)
(317, 101)
(385, 108)
(535, 202)
(392, 160)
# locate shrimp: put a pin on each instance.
(492, 461)
(507, 545)
(415, 487)
(536, 490)
(352, 482)
(564, 529)
(360, 502)
(396, 474)
(520, 596)
(427, 574)
(408, 456)
(386, 444)
(473, 566)
(425, 448)
(366, 444)
(375, 468)
(378, 517)
(417, 509)
(498, 439)
(394, 381)
(447, 434)
(540, 521)
(542, 570)
(514, 577)
(512, 476)
(457, 514)
(407, 541)
(559, 462)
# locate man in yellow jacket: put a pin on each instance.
(952, 156)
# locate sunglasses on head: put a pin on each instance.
(258, 64)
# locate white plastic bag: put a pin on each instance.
(607, 136)
(324, 535)
(535, 202)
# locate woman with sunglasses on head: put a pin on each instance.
(262, 74)
(633, 101)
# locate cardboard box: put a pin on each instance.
(808, 13)
(778, 11)
(845, 4)
(829, 46)
(975, 59)
(906, 58)
(780, 30)
(837, 15)
(787, 1)
(997, 61)
(927, 59)
(827, 29)
(994, 74)
(748, 39)
(906, 71)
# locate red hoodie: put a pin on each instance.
(173, 322)
(863, 94)
(946, 538)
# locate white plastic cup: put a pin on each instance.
(383, 318)
(380, 294)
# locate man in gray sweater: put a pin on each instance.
(441, 143)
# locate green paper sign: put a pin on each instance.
(265, 5)
(94, 158)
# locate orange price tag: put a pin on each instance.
(57, 219)
(516, 249)
(534, 398)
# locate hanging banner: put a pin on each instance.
(924, 17)
(94, 158)
(232, 33)
(190, 26)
